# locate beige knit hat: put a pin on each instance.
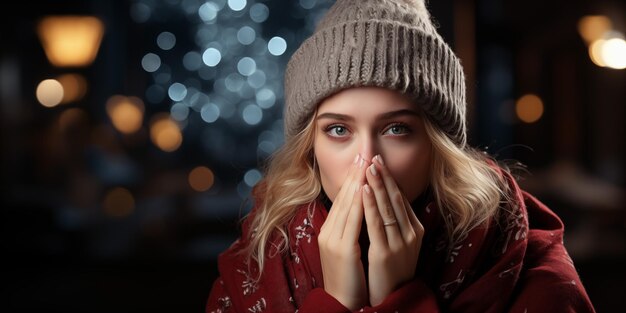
(385, 43)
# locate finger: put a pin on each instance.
(339, 200)
(344, 208)
(355, 217)
(396, 196)
(385, 208)
(374, 222)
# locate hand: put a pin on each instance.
(395, 233)
(340, 253)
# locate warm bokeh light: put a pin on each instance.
(71, 117)
(126, 113)
(609, 53)
(594, 27)
(165, 133)
(74, 87)
(201, 178)
(614, 53)
(119, 202)
(70, 40)
(595, 52)
(49, 93)
(529, 108)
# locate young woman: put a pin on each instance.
(375, 203)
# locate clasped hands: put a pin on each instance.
(394, 231)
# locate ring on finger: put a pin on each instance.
(392, 222)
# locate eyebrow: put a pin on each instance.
(383, 116)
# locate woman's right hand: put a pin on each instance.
(340, 253)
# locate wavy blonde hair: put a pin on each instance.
(467, 189)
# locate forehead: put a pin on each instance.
(366, 100)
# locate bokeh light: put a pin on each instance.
(49, 93)
(71, 40)
(201, 178)
(74, 87)
(126, 113)
(594, 27)
(277, 46)
(614, 53)
(150, 62)
(166, 40)
(118, 202)
(211, 57)
(165, 133)
(529, 108)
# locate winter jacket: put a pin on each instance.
(517, 263)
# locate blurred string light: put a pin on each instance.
(126, 113)
(70, 41)
(231, 77)
(607, 47)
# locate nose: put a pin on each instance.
(368, 147)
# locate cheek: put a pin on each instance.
(333, 168)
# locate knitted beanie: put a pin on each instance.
(384, 43)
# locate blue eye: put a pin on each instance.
(397, 130)
(337, 131)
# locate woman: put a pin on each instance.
(375, 203)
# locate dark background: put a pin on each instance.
(62, 252)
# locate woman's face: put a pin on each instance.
(370, 121)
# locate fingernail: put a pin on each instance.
(361, 162)
(357, 188)
(379, 159)
(356, 159)
(367, 189)
(373, 170)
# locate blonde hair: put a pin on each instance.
(468, 191)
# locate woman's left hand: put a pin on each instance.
(394, 231)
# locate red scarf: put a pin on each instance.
(505, 267)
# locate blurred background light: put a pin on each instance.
(529, 108)
(246, 66)
(70, 41)
(237, 5)
(277, 46)
(166, 40)
(210, 112)
(49, 93)
(594, 27)
(614, 53)
(252, 114)
(211, 57)
(150, 62)
(252, 177)
(259, 12)
(192, 61)
(201, 178)
(165, 133)
(246, 35)
(126, 113)
(74, 87)
(177, 92)
(118, 202)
